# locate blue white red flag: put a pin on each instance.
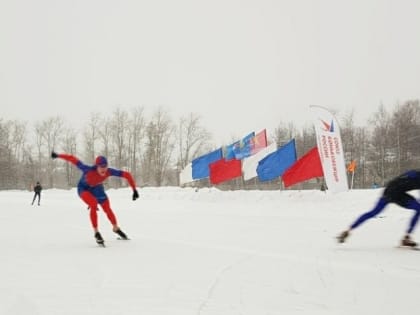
(200, 165)
(276, 163)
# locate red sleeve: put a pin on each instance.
(69, 158)
(129, 179)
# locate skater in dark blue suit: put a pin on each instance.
(395, 192)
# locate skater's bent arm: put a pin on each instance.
(125, 175)
(73, 160)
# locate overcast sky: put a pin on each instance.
(241, 65)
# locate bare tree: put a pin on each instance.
(405, 127)
(193, 139)
(284, 132)
(28, 168)
(69, 145)
(37, 161)
(7, 160)
(105, 134)
(159, 147)
(306, 140)
(136, 136)
(355, 144)
(119, 132)
(18, 139)
(16, 144)
(91, 135)
(47, 138)
(381, 153)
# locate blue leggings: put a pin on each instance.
(382, 203)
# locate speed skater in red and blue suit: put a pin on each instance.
(91, 189)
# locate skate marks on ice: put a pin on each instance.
(207, 256)
(218, 278)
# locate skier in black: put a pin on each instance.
(395, 192)
(37, 190)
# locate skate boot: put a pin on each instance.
(99, 239)
(407, 241)
(122, 235)
(342, 237)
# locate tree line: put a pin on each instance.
(156, 148)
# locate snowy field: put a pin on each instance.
(205, 253)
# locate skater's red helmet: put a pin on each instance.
(101, 161)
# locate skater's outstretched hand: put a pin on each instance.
(135, 194)
(54, 155)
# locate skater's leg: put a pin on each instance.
(414, 205)
(98, 192)
(112, 218)
(380, 205)
(91, 201)
(106, 206)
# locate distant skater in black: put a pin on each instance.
(37, 190)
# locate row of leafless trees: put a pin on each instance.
(388, 147)
(154, 149)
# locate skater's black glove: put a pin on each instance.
(135, 194)
(54, 155)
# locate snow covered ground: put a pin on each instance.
(205, 253)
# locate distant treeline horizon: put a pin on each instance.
(155, 149)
